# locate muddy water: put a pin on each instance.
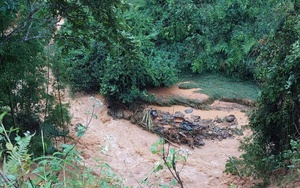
(126, 147)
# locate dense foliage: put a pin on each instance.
(206, 36)
(121, 48)
(111, 59)
(26, 29)
(145, 43)
(63, 168)
(275, 121)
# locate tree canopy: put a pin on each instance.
(121, 48)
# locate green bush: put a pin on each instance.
(207, 36)
(275, 121)
(26, 30)
(119, 66)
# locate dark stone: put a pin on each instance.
(154, 113)
(186, 126)
(188, 111)
(198, 141)
(165, 119)
(230, 118)
(218, 120)
(189, 123)
(217, 129)
(119, 114)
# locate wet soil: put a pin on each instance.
(126, 146)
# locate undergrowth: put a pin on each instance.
(66, 167)
(63, 168)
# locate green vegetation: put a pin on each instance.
(275, 122)
(63, 168)
(170, 159)
(26, 29)
(220, 87)
(121, 48)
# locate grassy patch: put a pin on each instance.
(219, 87)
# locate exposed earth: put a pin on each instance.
(126, 146)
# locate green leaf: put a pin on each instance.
(153, 149)
(103, 184)
(2, 115)
(9, 146)
(81, 130)
(164, 186)
(95, 116)
(173, 182)
(11, 177)
(18, 138)
(158, 167)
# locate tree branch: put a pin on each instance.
(20, 27)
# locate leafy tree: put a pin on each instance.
(113, 59)
(275, 121)
(26, 30)
(207, 36)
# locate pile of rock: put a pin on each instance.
(181, 128)
(177, 128)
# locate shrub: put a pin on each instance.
(275, 121)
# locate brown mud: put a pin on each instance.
(126, 146)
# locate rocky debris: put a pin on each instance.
(177, 128)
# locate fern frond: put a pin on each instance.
(247, 46)
(222, 47)
(17, 157)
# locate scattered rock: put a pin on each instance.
(195, 118)
(218, 120)
(127, 114)
(119, 114)
(190, 131)
(186, 126)
(178, 114)
(165, 119)
(154, 113)
(105, 118)
(188, 111)
(198, 141)
(230, 118)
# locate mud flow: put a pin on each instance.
(210, 135)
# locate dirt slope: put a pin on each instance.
(126, 147)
